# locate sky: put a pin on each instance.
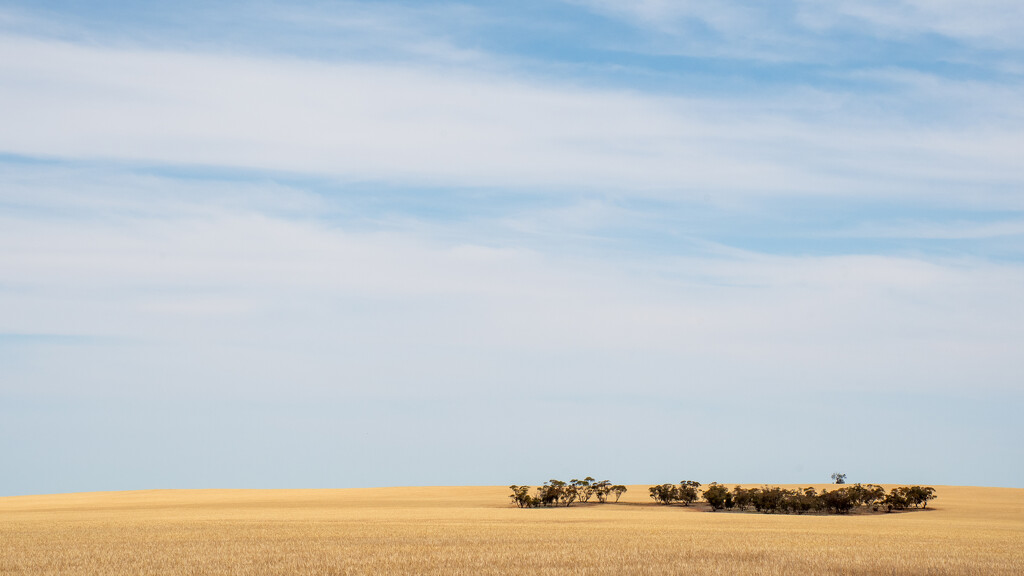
(326, 244)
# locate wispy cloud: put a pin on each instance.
(803, 24)
(991, 23)
(279, 294)
(944, 231)
(399, 124)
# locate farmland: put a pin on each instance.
(475, 530)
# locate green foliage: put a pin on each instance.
(919, 495)
(718, 496)
(901, 497)
(866, 494)
(584, 488)
(521, 497)
(802, 501)
(742, 497)
(663, 493)
(687, 492)
(558, 493)
(766, 499)
(895, 500)
(618, 490)
(769, 500)
(840, 501)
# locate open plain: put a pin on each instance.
(475, 530)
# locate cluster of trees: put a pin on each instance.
(685, 492)
(766, 499)
(773, 499)
(559, 493)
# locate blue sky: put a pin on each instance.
(331, 244)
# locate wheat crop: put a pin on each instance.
(475, 530)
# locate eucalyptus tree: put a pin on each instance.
(584, 488)
(618, 490)
(718, 496)
(687, 491)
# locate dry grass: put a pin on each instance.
(474, 531)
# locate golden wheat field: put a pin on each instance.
(474, 530)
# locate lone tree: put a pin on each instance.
(838, 478)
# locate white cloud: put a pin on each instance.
(988, 23)
(385, 30)
(666, 14)
(446, 126)
(248, 295)
(958, 230)
(222, 301)
(994, 23)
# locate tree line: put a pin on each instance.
(766, 499)
(559, 493)
(776, 500)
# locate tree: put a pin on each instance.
(584, 488)
(866, 494)
(663, 493)
(895, 500)
(718, 496)
(918, 495)
(766, 499)
(742, 497)
(801, 502)
(565, 493)
(556, 493)
(840, 501)
(521, 496)
(547, 495)
(618, 490)
(769, 499)
(838, 478)
(687, 492)
(873, 493)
